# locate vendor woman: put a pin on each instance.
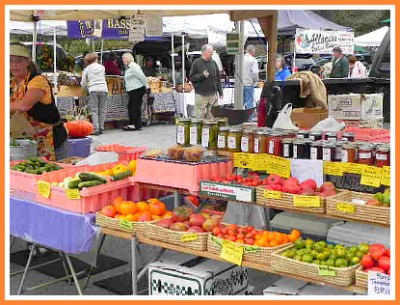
(32, 107)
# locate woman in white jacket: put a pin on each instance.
(356, 68)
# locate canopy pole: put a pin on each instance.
(173, 61)
(55, 65)
(238, 93)
(101, 51)
(183, 63)
(34, 40)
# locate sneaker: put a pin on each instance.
(95, 133)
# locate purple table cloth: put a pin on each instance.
(59, 229)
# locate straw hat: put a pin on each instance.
(18, 49)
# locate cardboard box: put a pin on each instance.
(193, 275)
(372, 106)
(306, 118)
(372, 123)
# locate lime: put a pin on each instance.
(363, 248)
(341, 253)
(333, 256)
(318, 247)
(285, 254)
(307, 251)
(341, 263)
(322, 257)
(316, 262)
(314, 253)
(299, 244)
(309, 241)
(301, 252)
(322, 243)
(297, 258)
(359, 255)
(307, 258)
(329, 246)
(324, 263)
(349, 256)
(330, 262)
(327, 253)
(339, 246)
(293, 252)
(309, 246)
(353, 249)
(354, 261)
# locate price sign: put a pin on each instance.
(333, 168)
(278, 165)
(386, 176)
(353, 168)
(44, 188)
(306, 201)
(232, 253)
(125, 224)
(260, 162)
(269, 194)
(73, 194)
(346, 208)
(371, 176)
(326, 271)
(241, 160)
(378, 283)
(189, 237)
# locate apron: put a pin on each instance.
(23, 125)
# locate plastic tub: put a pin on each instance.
(125, 153)
(26, 149)
(79, 147)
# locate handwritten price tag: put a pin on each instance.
(353, 168)
(326, 271)
(333, 168)
(232, 253)
(306, 201)
(371, 176)
(189, 237)
(73, 194)
(241, 160)
(378, 283)
(44, 188)
(269, 194)
(346, 208)
(125, 224)
(259, 162)
(279, 166)
(386, 176)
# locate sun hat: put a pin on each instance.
(18, 49)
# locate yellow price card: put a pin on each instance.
(306, 201)
(371, 176)
(269, 194)
(333, 168)
(189, 237)
(326, 271)
(73, 194)
(232, 252)
(241, 160)
(278, 165)
(353, 168)
(386, 176)
(44, 188)
(346, 208)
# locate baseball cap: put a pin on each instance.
(18, 49)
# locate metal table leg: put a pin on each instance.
(12, 240)
(134, 244)
(71, 268)
(89, 273)
(28, 264)
(64, 264)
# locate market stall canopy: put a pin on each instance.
(43, 28)
(372, 39)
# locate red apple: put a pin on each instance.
(309, 183)
(217, 217)
(206, 216)
(274, 179)
(294, 180)
(165, 223)
(307, 191)
(179, 226)
(196, 220)
(373, 202)
(195, 229)
(328, 193)
(327, 186)
(209, 225)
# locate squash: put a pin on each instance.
(79, 128)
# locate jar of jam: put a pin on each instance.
(222, 122)
(382, 157)
(234, 139)
(315, 136)
(301, 149)
(195, 132)
(261, 142)
(209, 134)
(328, 151)
(349, 153)
(275, 144)
(348, 136)
(222, 138)
(338, 150)
(287, 148)
(316, 150)
(329, 136)
(183, 132)
(302, 134)
(365, 154)
(247, 141)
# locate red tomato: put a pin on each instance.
(231, 238)
(220, 236)
(384, 263)
(225, 230)
(375, 247)
(367, 261)
(250, 228)
(387, 252)
(217, 231)
(240, 236)
(377, 269)
(377, 254)
(388, 272)
(249, 241)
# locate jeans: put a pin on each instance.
(248, 98)
(203, 106)
(98, 103)
(135, 107)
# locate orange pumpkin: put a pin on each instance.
(79, 129)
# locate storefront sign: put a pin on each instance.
(322, 42)
(227, 192)
(232, 44)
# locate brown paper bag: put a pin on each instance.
(20, 126)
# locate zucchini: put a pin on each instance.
(122, 175)
(91, 183)
(73, 184)
(91, 177)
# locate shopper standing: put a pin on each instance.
(250, 77)
(135, 85)
(94, 78)
(206, 79)
(356, 68)
(340, 64)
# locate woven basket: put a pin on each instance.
(366, 213)
(253, 254)
(155, 232)
(361, 278)
(286, 202)
(112, 223)
(344, 276)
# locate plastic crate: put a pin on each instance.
(92, 199)
(79, 147)
(125, 153)
(177, 175)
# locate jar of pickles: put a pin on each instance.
(348, 136)
(328, 151)
(315, 136)
(365, 154)
(275, 144)
(222, 138)
(209, 134)
(195, 132)
(316, 150)
(382, 157)
(183, 132)
(349, 153)
(234, 139)
(287, 148)
(247, 141)
(222, 122)
(261, 142)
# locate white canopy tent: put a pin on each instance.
(372, 39)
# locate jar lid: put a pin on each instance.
(299, 141)
(328, 144)
(184, 120)
(235, 129)
(197, 120)
(316, 143)
(249, 130)
(222, 120)
(331, 133)
(384, 148)
(348, 134)
(210, 122)
(303, 132)
(262, 132)
(224, 128)
(316, 133)
(366, 147)
(287, 140)
(348, 145)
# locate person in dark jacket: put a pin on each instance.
(206, 79)
(340, 64)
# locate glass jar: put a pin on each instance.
(247, 141)
(328, 151)
(275, 144)
(338, 150)
(302, 134)
(316, 150)
(260, 142)
(287, 145)
(365, 154)
(248, 125)
(315, 136)
(222, 122)
(329, 136)
(382, 157)
(209, 134)
(222, 138)
(301, 149)
(234, 139)
(348, 136)
(183, 132)
(349, 153)
(195, 132)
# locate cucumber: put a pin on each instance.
(91, 177)
(122, 175)
(91, 183)
(73, 184)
